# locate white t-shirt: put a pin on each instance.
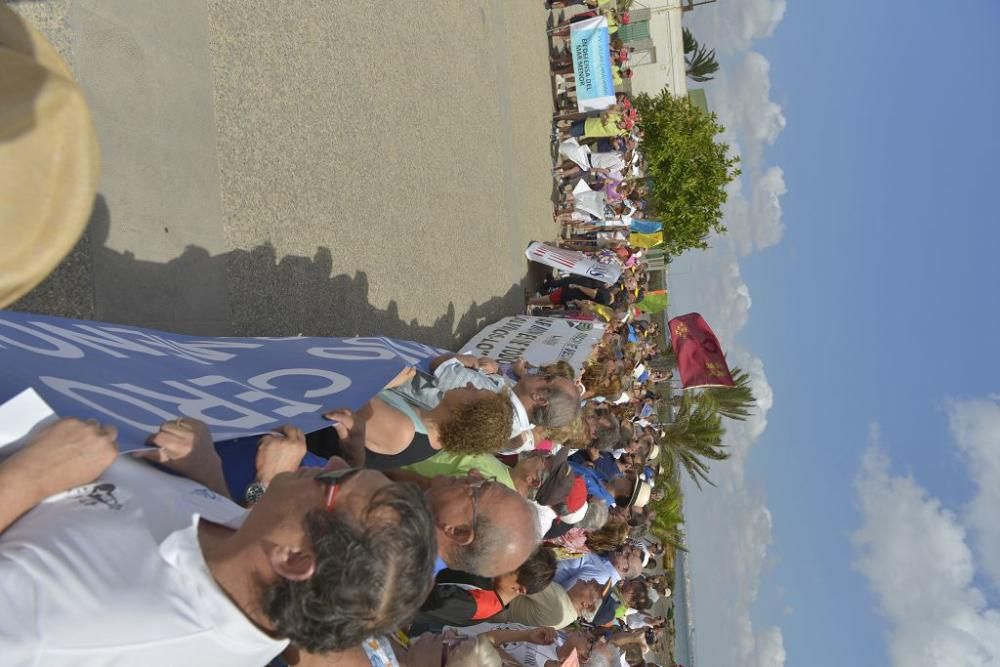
(610, 160)
(528, 655)
(638, 620)
(112, 573)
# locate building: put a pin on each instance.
(654, 31)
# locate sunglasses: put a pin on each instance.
(334, 479)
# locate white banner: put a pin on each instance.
(571, 261)
(538, 340)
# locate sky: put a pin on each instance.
(858, 521)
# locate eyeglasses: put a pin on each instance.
(334, 479)
(446, 647)
(475, 485)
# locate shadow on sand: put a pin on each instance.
(242, 293)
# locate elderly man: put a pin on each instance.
(624, 563)
(538, 400)
(555, 606)
(126, 564)
(483, 527)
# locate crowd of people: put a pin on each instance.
(470, 555)
(472, 513)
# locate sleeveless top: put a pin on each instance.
(419, 448)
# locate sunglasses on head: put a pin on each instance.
(334, 479)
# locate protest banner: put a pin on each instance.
(137, 378)
(590, 44)
(571, 261)
(538, 340)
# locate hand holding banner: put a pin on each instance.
(571, 261)
(591, 46)
(537, 340)
(137, 378)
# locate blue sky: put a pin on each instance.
(856, 521)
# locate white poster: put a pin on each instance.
(571, 261)
(539, 340)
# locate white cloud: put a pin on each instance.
(755, 223)
(975, 425)
(742, 100)
(742, 435)
(912, 550)
(732, 26)
(770, 648)
(731, 519)
(723, 522)
(710, 282)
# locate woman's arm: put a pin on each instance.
(383, 428)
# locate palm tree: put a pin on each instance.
(690, 43)
(700, 60)
(671, 537)
(694, 438)
(736, 402)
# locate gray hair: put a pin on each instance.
(608, 437)
(476, 556)
(560, 409)
(370, 577)
(596, 516)
(478, 652)
(604, 655)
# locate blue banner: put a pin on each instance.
(642, 226)
(138, 378)
(590, 43)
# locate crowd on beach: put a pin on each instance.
(472, 513)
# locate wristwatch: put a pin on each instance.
(254, 492)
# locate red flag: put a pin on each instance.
(700, 360)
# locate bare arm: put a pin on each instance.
(541, 635)
(65, 455)
(470, 361)
(627, 637)
(185, 445)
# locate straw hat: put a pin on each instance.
(654, 453)
(640, 495)
(49, 159)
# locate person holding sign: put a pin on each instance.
(537, 400)
(105, 559)
(390, 432)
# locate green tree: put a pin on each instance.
(667, 524)
(687, 170)
(701, 62)
(690, 43)
(694, 439)
(736, 402)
